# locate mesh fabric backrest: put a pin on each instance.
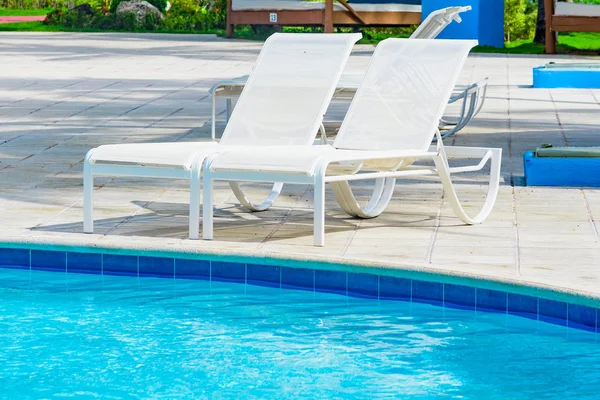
(402, 97)
(289, 89)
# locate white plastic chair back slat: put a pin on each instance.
(437, 21)
(289, 89)
(403, 95)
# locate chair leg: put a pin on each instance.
(494, 185)
(380, 198)
(265, 205)
(194, 228)
(213, 132)
(229, 108)
(319, 212)
(88, 195)
(207, 206)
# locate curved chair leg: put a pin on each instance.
(241, 196)
(380, 198)
(275, 190)
(495, 155)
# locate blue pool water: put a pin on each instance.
(84, 336)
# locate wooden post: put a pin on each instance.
(229, 26)
(328, 16)
(550, 35)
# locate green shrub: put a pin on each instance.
(55, 16)
(217, 13)
(151, 22)
(124, 21)
(183, 16)
(184, 7)
(187, 23)
(105, 22)
(191, 15)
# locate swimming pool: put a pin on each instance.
(69, 334)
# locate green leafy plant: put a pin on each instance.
(520, 18)
(184, 7)
(55, 16)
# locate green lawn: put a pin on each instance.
(36, 26)
(573, 43)
(6, 12)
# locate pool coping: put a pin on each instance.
(434, 285)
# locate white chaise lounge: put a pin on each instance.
(389, 125)
(283, 103)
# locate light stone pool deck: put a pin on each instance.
(62, 94)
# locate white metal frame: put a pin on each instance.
(377, 203)
(193, 175)
(472, 98)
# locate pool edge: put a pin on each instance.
(427, 284)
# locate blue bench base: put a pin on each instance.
(561, 171)
(552, 78)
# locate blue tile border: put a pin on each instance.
(554, 312)
(582, 317)
(363, 285)
(523, 306)
(115, 264)
(90, 263)
(162, 267)
(352, 284)
(491, 300)
(192, 269)
(457, 296)
(428, 292)
(298, 278)
(15, 258)
(392, 288)
(331, 281)
(48, 260)
(227, 271)
(263, 275)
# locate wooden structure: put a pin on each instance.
(327, 14)
(569, 17)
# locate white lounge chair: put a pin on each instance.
(389, 125)
(430, 28)
(283, 103)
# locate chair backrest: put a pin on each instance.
(289, 89)
(403, 95)
(437, 21)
